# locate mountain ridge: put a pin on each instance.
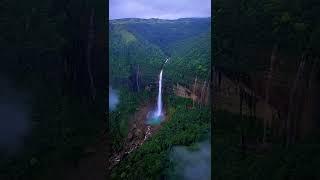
(146, 42)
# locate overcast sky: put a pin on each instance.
(163, 9)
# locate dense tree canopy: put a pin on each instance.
(185, 127)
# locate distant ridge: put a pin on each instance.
(157, 20)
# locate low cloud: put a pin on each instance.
(113, 99)
(192, 164)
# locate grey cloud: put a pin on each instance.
(192, 165)
(163, 9)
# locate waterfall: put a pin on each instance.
(159, 102)
(158, 112)
(155, 116)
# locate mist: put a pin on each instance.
(113, 99)
(14, 118)
(192, 164)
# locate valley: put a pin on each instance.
(139, 50)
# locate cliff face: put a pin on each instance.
(228, 94)
(199, 91)
(283, 93)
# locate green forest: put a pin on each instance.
(142, 42)
(138, 49)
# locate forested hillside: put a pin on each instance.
(165, 32)
(128, 53)
(193, 57)
(143, 44)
